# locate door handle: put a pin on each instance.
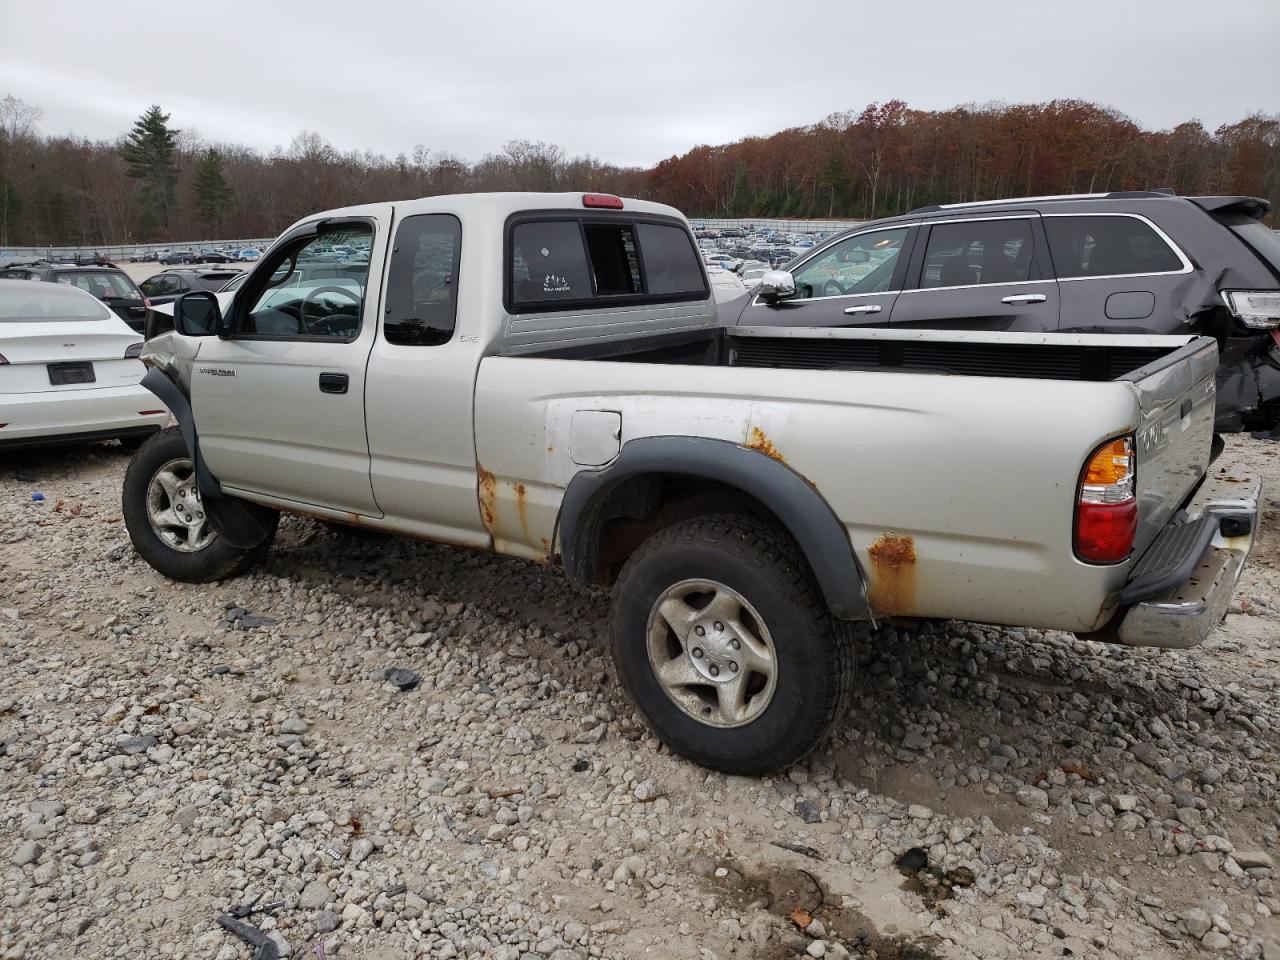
(863, 308)
(334, 382)
(1025, 298)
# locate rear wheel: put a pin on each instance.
(724, 643)
(167, 521)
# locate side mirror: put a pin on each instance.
(197, 315)
(777, 285)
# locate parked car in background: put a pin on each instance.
(723, 260)
(111, 285)
(69, 370)
(248, 254)
(211, 255)
(180, 256)
(1129, 262)
(171, 284)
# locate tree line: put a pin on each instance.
(158, 182)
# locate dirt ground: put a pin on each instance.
(169, 750)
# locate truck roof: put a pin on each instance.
(499, 205)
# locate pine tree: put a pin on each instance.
(213, 195)
(149, 153)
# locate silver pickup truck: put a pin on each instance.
(543, 375)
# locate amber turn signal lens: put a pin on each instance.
(1111, 464)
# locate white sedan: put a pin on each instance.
(69, 370)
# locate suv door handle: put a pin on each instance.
(334, 382)
(1025, 298)
(863, 308)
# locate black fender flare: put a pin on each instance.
(794, 501)
(245, 525)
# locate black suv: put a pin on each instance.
(168, 286)
(1130, 262)
(111, 285)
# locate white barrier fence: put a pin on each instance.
(125, 251)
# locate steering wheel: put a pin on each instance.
(330, 324)
(832, 289)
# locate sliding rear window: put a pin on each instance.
(564, 263)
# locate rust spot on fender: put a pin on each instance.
(521, 503)
(893, 573)
(487, 490)
(756, 440)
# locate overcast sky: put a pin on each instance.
(631, 82)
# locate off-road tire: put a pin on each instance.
(814, 651)
(217, 561)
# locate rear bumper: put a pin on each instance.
(66, 416)
(1183, 614)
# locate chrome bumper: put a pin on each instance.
(1185, 614)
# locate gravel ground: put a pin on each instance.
(168, 751)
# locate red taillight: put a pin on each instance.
(1106, 508)
(149, 413)
(134, 350)
(602, 200)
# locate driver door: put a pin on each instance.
(279, 405)
(851, 282)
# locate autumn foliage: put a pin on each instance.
(885, 159)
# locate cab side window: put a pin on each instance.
(310, 293)
(978, 253)
(864, 263)
(422, 287)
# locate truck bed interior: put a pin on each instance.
(1082, 357)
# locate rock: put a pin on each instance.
(326, 921)
(136, 745)
(1033, 797)
(647, 791)
(1125, 802)
(1213, 940)
(294, 725)
(360, 851)
(816, 949)
(404, 679)
(808, 812)
(26, 853)
(1252, 858)
(1196, 921)
(919, 812)
(315, 895)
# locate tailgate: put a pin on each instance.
(1174, 434)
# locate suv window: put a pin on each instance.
(422, 287)
(296, 306)
(576, 261)
(978, 252)
(104, 286)
(1107, 246)
(860, 264)
(160, 285)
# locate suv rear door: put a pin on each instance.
(1117, 273)
(851, 282)
(988, 272)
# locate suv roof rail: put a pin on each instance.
(1113, 195)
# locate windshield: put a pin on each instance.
(1264, 241)
(104, 286)
(32, 300)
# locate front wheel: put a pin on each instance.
(167, 521)
(723, 642)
